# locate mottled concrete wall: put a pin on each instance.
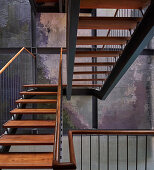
(15, 23)
(51, 32)
(127, 106)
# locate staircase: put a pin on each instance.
(26, 160)
(96, 55)
(26, 127)
(109, 42)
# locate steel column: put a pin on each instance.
(33, 5)
(94, 99)
(72, 25)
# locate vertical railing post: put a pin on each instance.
(61, 111)
(33, 41)
(35, 70)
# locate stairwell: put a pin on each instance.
(35, 95)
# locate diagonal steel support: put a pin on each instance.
(73, 9)
(140, 38)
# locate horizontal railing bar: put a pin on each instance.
(114, 132)
(13, 58)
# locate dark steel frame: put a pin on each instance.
(73, 9)
(54, 50)
(94, 68)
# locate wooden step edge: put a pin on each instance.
(89, 79)
(33, 111)
(32, 124)
(7, 140)
(26, 160)
(37, 93)
(64, 85)
(91, 72)
(106, 18)
(87, 85)
(94, 64)
(36, 101)
(99, 54)
(102, 40)
(41, 85)
(125, 4)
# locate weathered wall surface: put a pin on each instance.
(15, 31)
(128, 105)
(51, 32)
(15, 23)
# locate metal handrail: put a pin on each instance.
(57, 129)
(56, 162)
(112, 132)
(102, 132)
(13, 58)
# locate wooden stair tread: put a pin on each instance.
(41, 85)
(37, 93)
(33, 111)
(89, 79)
(112, 4)
(91, 72)
(36, 101)
(39, 160)
(27, 140)
(97, 53)
(102, 40)
(87, 85)
(94, 64)
(29, 124)
(108, 22)
(64, 85)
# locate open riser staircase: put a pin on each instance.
(29, 160)
(102, 31)
(26, 127)
(35, 97)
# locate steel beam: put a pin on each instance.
(94, 76)
(79, 92)
(140, 38)
(33, 5)
(94, 113)
(72, 25)
(60, 6)
(53, 50)
(48, 9)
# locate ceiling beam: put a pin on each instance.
(140, 38)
